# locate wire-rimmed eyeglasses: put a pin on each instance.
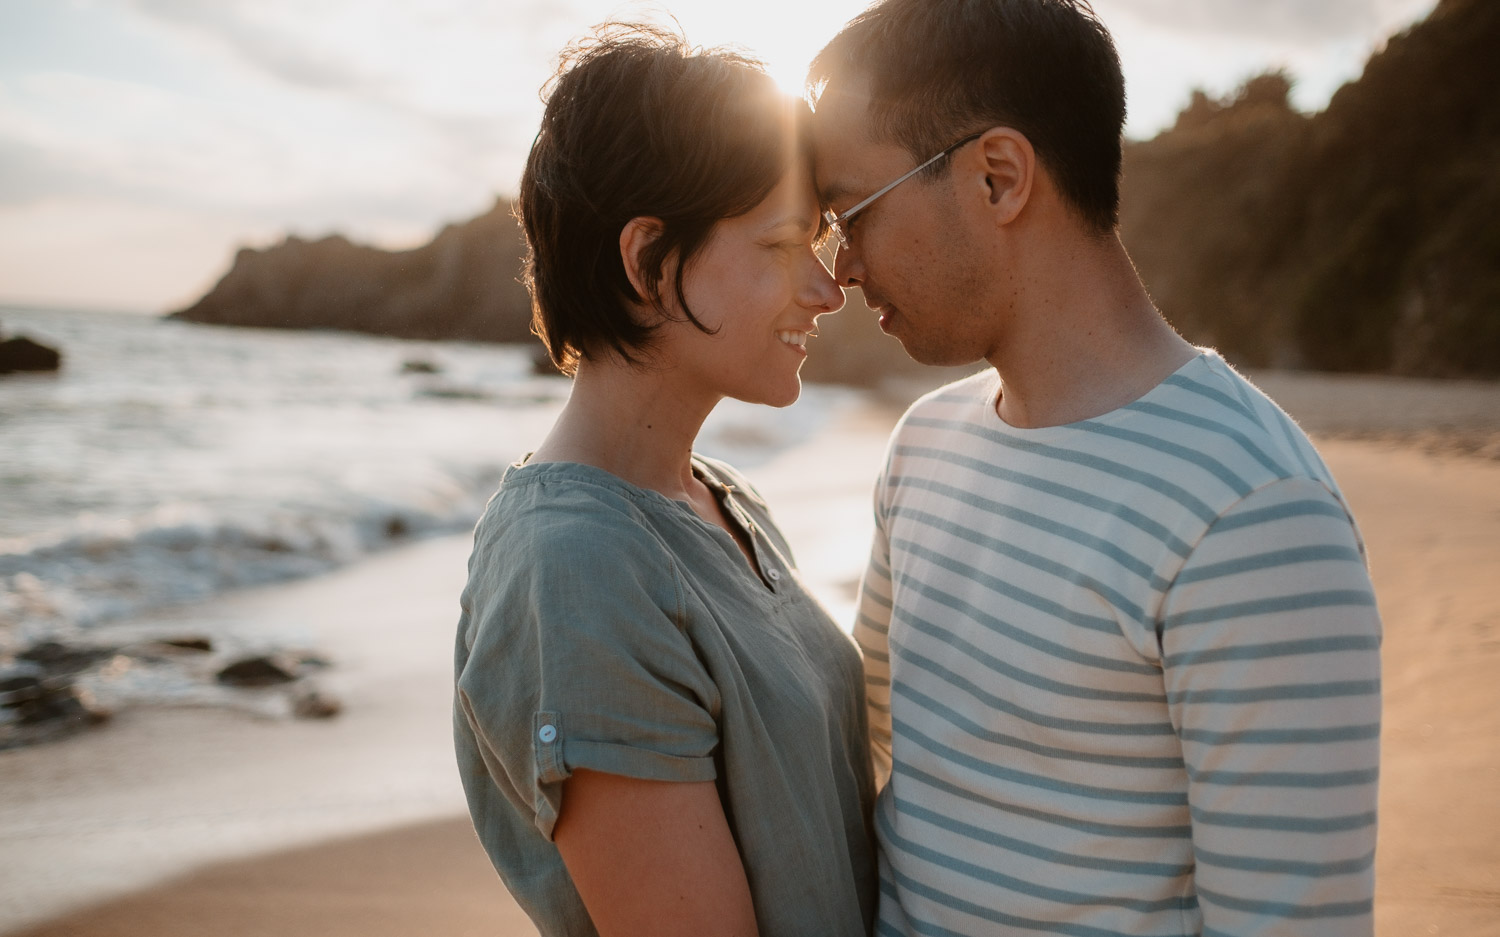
(839, 223)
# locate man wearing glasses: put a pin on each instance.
(1121, 646)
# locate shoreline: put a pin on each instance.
(429, 877)
(184, 821)
(162, 791)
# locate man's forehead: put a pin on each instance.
(840, 131)
(843, 108)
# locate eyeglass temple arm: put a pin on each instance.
(860, 206)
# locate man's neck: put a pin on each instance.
(1083, 339)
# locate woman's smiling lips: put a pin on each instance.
(796, 338)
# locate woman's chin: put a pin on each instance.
(783, 395)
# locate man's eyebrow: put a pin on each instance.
(832, 193)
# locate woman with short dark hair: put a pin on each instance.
(659, 731)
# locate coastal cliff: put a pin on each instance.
(1362, 238)
(461, 285)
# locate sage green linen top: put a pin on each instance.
(607, 627)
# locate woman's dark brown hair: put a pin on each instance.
(639, 124)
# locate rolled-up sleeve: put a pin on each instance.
(577, 658)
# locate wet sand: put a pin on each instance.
(198, 822)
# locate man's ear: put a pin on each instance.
(638, 234)
(1009, 171)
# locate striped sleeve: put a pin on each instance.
(872, 634)
(1270, 652)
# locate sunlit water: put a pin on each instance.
(169, 462)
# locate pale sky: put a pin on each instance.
(143, 141)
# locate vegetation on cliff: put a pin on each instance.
(1363, 238)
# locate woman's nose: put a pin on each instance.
(822, 291)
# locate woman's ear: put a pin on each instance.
(1009, 171)
(637, 235)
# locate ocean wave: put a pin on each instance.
(172, 463)
(99, 570)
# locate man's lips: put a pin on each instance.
(880, 307)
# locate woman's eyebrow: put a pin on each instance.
(801, 222)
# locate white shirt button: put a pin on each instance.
(773, 574)
(547, 733)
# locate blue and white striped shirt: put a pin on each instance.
(1124, 672)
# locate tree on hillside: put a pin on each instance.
(1363, 238)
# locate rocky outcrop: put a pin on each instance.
(23, 354)
(47, 690)
(39, 700)
(260, 671)
(462, 285)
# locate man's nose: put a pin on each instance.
(848, 269)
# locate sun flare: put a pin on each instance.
(782, 33)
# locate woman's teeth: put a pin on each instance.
(793, 338)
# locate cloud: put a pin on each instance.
(279, 53)
(447, 69)
(373, 50)
(1295, 22)
(309, 162)
(30, 174)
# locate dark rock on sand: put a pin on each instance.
(38, 699)
(66, 703)
(315, 705)
(454, 392)
(57, 658)
(19, 682)
(189, 644)
(261, 671)
(41, 700)
(36, 707)
(307, 701)
(23, 354)
(169, 650)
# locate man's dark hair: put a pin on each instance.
(939, 69)
(639, 124)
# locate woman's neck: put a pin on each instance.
(636, 423)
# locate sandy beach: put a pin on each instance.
(203, 821)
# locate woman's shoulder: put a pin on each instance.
(561, 543)
(568, 513)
